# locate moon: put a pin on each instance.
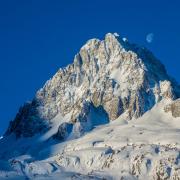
(150, 37)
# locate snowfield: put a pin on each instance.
(143, 148)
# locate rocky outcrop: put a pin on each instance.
(28, 121)
(112, 73)
(174, 108)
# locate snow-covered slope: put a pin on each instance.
(113, 113)
(144, 148)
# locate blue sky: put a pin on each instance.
(39, 36)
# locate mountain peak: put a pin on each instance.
(112, 36)
(109, 75)
(120, 87)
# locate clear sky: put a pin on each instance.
(39, 36)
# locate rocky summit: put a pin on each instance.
(106, 104)
(110, 74)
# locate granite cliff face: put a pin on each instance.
(108, 77)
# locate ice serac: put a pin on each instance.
(110, 76)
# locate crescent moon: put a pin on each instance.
(150, 37)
